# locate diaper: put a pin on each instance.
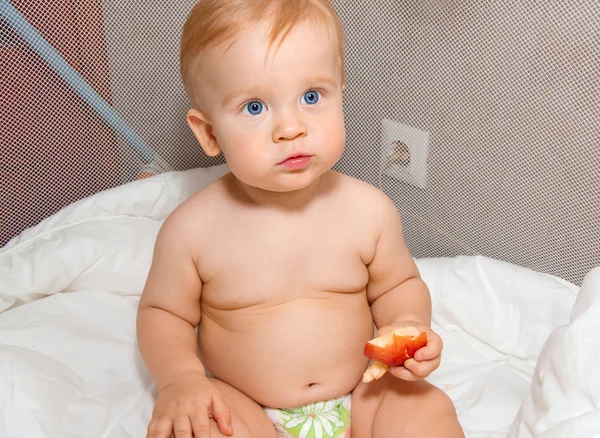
(328, 419)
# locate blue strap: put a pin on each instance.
(37, 42)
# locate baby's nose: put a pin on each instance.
(289, 128)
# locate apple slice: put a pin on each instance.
(375, 371)
(395, 347)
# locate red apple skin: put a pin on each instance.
(395, 353)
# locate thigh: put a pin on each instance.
(391, 407)
(248, 418)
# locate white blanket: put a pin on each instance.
(564, 400)
(69, 288)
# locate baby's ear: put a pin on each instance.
(203, 130)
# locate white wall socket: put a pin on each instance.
(404, 152)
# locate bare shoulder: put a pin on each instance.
(362, 196)
(199, 212)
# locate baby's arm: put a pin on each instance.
(397, 294)
(395, 290)
(168, 313)
(169, 308)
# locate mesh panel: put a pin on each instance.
(508, 92)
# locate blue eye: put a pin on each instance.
(310, 97)
(253, 108)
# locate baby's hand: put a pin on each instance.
(183, 409)
(425, 361)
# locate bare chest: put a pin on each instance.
(269, 265)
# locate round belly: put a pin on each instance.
(290, 354)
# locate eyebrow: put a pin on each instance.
(234, 96)
(327, 79)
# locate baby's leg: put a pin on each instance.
(390, 407)
(249, 419)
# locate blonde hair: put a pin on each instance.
(214, 22)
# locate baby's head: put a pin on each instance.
(265, 78)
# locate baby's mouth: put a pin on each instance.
(296, 162)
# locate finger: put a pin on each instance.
(403, 373)
(200, 424)
(182, 427)
(151, 427)
(160, 427)
(422, 369)
(432, 350)
(222, 415)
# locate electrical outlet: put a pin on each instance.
(404, 152)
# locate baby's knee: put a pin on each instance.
(240, 429)
(421, 398)
(418, 409)
(248, 419)
(440, 406)
(447, 420)
(244, 428)
(440, 402)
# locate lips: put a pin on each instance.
(296, 162)
(295, 157)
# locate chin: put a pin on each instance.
(284, 181)
(294, 181)
(284, 185)
(288, 188)
(276, 184)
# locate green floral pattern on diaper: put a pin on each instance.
(318, 420)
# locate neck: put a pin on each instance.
(292, 200)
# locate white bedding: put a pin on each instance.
(564, 400)
(69, 288)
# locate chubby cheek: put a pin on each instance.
(244, 156)
(333, 138)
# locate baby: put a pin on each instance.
(282, 265)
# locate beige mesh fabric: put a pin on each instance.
(507, 94)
